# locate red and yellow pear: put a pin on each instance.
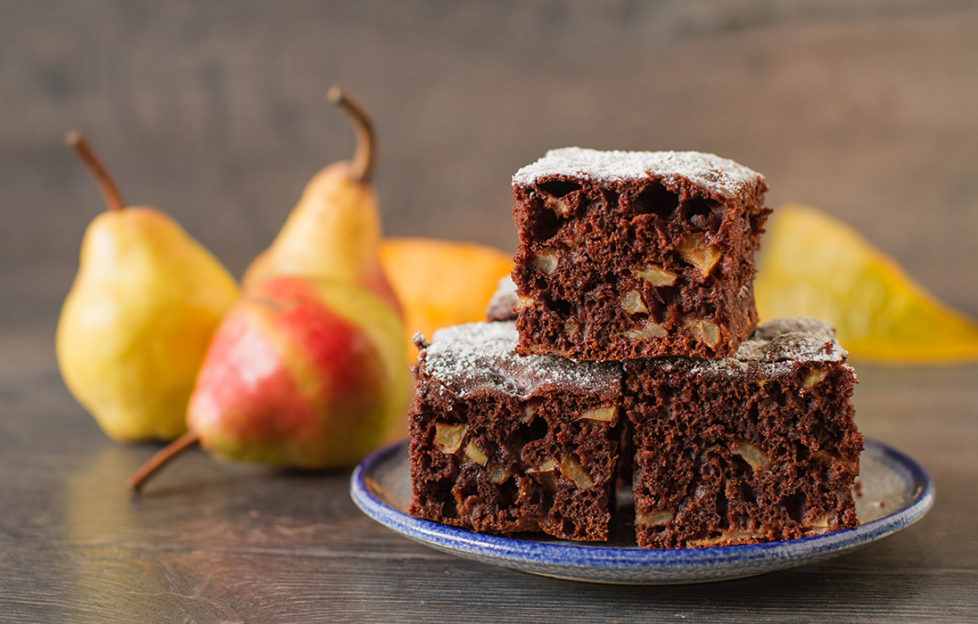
(302, 372)
(334, 231)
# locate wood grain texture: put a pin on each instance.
(216, 113)
(220, 542)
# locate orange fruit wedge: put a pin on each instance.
(441, 283)
(813, 265)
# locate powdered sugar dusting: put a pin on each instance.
(467, 358)
(476, 356)
(722, 176)
(779, 344)
(800, 339)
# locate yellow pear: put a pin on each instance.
(814, 265)
(334, 231)
(137, 321)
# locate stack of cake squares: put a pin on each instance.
(625, 353)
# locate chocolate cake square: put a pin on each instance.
(757, 447)
(636, 254)
(502, 443)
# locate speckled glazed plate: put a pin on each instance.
(896, 492)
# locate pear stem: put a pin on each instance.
(77, 141)
(161, 459)
(362, 169)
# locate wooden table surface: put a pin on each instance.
(215, 113)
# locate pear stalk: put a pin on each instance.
(362, 167)
(161, 459)
(113, 197)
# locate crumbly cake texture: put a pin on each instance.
(506, 444)
(758, 447)
(636, 254)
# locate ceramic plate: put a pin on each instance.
(896, 492)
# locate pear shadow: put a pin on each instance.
(222, 477)
(191, 486)
(311, 473)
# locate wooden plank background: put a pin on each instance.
(216, 112)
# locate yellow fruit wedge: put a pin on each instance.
(813, 265)
(441, 283)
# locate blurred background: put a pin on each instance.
(216, 112)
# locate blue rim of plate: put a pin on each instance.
(522, 553)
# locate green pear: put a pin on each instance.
(335, 230)
(136, 323)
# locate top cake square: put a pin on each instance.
(636, 254)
